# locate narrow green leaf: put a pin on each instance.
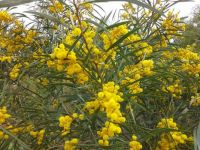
(46, 16)
(197, 138)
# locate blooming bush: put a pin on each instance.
(73, 79)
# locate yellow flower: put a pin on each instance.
(6, 59)
(39, 135)
(5, 16)
(195, 100)
(44, 81)
(133, 73)
(71, 145)
(65, 123)
(15, 72)
(33, 134)
(134, 144)
(57, 7)
(75, 115)
(4, 115)
(81, 116)
(108, 101)
(172, 139)
(73, 69)
(76, 31)
(107, 132)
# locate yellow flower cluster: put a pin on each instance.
(39, 135)
(191, 69)
(109, 131)
(189, 60)
(119, 31)
(62, 54)
(44, 81)
(39, 55)
(89, 39)
(5, 17)
(108, 101)
(167, 123)
(75, 32)
(3, 121)
(5, 59)
(57, 7)
(128, 9)
(111, 36)
(88, 35)
(64, 60)
(15, 72)
(162, 43)
(172, 24)
(14, 130)
(87, 6)
(170, 140)
(16, 36)
(11, 129)
(142, 49)
(71, 37)
(195, 100)
(71, 145)
(29, 38)
(77, 116)
(3, 115)
(65, 122)
(100, 54)
(175, 89)
(183, 54)
(134, 144)
(133, 73)
(3, 136)
(134, 38)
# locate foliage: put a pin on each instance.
(71, 80)
(191, 35)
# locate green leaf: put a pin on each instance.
(197, 138)
(46, 16)
(117, 24)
